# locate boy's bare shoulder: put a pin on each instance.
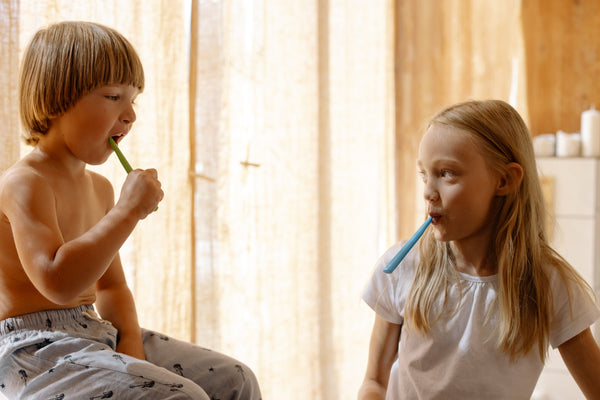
(100, 179)
(20, 179)
(103, 187)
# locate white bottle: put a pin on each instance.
(590, 133)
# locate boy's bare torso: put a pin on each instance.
(80, 203)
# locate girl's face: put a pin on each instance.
(459, 186)
(104, 112)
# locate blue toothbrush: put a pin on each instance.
(393, 264)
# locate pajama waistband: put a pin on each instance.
(42, 320)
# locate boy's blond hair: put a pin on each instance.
(519, 244)
(66, 61)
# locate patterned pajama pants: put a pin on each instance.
(70, 354)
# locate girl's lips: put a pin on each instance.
(435, 218)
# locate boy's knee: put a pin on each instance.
(185, 396)
(245, 385)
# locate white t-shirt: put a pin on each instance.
(458, 358)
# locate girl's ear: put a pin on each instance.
(510, 179)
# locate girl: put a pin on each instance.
(471, 313)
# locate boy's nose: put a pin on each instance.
(128, 115)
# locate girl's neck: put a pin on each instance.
(473, 260)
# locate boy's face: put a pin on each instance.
(459, 186)
(106, 111)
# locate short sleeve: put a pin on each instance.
(386, 293)
(571, 315)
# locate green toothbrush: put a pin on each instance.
(121, 157)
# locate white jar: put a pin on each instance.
(590, 133)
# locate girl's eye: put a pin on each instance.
(446, 174)
(422, 175)
(111, 97)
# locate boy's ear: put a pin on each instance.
(510, 180)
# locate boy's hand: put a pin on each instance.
(132, 346)
(141, 192)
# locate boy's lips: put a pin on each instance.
(118, 137)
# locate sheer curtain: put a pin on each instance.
(294, 185)
(158, 255)
(9, 53)
(271, 124)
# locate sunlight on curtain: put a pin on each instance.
(264, 253)
(157, 257)
(294, 129)
(9, 118)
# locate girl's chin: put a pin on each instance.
(440, 236)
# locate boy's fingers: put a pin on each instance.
(153, 172)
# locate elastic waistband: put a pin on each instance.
(42, 320)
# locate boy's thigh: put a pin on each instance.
(82, 369)
(219, 375)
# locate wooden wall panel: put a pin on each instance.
(446, 52)
(562, 48)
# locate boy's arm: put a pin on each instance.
(62, 269)
(582, 357)
(115, 303)
(383, 350)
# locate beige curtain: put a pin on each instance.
(158, 256)
(9, 53)
(294, 185)
(271, 124)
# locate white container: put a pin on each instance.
(590, 133)
(544, 145)
(568, 144)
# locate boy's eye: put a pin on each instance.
(111, 97)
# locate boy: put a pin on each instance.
(60, 233)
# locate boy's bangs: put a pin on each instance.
(118, 63)
(65, 62)
(94, 56)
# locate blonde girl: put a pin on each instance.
(470, 314)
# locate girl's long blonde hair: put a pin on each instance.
(519, 245)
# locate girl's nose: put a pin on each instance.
(430, 193)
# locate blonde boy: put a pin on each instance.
(60, 233)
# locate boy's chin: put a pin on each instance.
(98, 162)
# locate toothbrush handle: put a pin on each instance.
(122, 158)
(393, 264)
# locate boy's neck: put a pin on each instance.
(59, 159)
